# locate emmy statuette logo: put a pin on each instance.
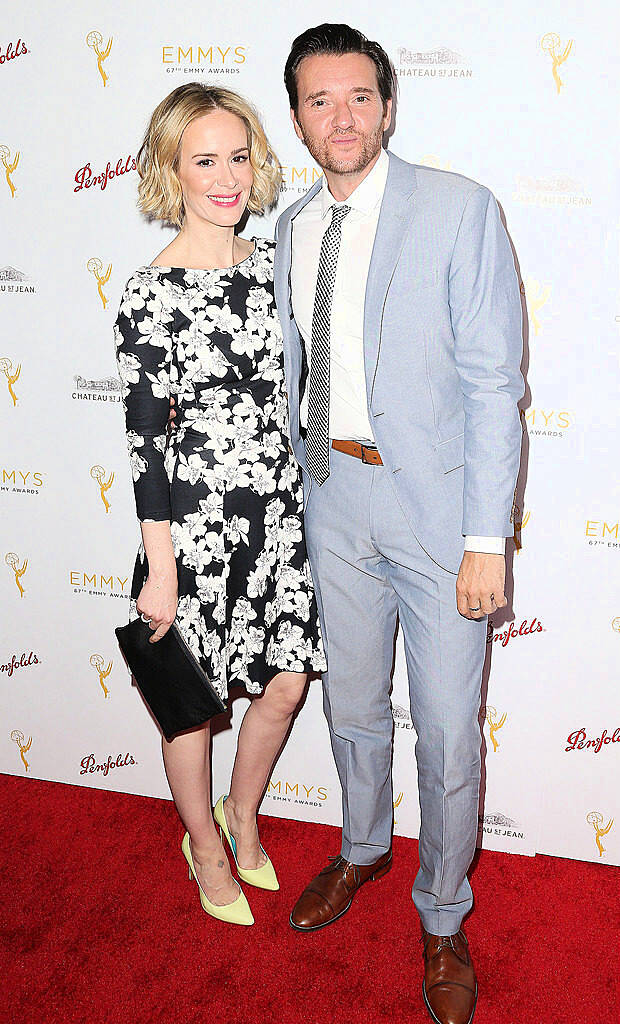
(98, 662)
(615, 624)
(396, 804)
(6, 366)
(551, 45)
(95, 41)
(95, 267)
(9, 167)
(537, 295)
(12, 560)
(519, 524)
(98, 474)
(494, 724)
(596, 819)
(24, 746)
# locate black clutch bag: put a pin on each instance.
(169, 677)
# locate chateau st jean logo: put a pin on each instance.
(439, 63)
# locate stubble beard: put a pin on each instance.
(320, 152)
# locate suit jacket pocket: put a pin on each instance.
(451, 453)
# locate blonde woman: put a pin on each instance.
(220, 501)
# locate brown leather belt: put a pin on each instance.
(360, 451)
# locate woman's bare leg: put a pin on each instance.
(262, 733)
(187, 764)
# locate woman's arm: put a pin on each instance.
(157, 600)
(143, 348)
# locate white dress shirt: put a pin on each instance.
(348, 409)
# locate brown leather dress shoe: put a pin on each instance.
(450, 989)
(331, 893)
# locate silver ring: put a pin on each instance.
(143, 617)
(477, 609)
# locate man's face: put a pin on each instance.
(340, 114)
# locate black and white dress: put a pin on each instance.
(226, 477)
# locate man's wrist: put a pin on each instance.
(486, 545)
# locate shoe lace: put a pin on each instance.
(339, 862)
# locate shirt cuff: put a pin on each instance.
(486, 545)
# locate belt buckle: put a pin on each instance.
(364, 449)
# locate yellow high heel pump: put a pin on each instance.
(262, 878)
(234, 913)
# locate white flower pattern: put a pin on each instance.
(225, 478)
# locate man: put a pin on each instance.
(401, 314)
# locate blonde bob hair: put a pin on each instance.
(159, 193)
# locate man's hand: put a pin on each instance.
(480, 584)
(170, 423)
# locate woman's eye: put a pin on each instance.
(205, 163)
(241, 158)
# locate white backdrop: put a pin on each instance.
(522, 98)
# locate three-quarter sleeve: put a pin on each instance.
(143, 353)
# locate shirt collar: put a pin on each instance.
(368, 194)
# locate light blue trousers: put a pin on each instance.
(368, 570)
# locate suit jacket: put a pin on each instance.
(442, 354)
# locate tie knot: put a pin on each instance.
(338, 214)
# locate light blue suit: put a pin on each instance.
(442, 351)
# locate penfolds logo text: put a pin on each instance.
(13, 51)
(90, 764)
(578, 740)
(25, 661)
(511, 632)
(84, 178)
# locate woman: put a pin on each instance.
(220, 502)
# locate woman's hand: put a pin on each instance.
(158, 601)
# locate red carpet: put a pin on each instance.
(101, 925)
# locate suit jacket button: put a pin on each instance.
(285, 393)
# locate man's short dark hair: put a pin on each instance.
(338, 40)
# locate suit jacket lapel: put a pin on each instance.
(284, 251)
(398, 210)
(293, 358)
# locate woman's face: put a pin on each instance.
(214, 168)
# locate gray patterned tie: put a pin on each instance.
(317, 436)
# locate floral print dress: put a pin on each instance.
(226, 478)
